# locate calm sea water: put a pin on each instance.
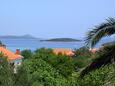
(34, 44)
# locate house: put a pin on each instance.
(13, 58)
(64, 51)
(94, 50)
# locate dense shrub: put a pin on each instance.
(40, 73)
(44, 68)
(6, 73)
(105, 56)
(83, 51)
(82, 57)
(27, 54)
(104, 76)
(65, 65)
(82, 61)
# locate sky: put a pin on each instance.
(53, 18)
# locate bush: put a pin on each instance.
(100, 77)
(27, 54)
(82, 61)
(82, 57)
(83, 51)
(63, 64)
(40, 73)
(6, 73)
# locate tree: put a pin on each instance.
(64, 64)
(27, 54)
(105, 29)
(0, 43)
(104, 76)
(107, 52)
(37, 72)
(83, 51)
(21, 78)
(6, 73)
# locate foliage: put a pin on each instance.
(64, 64)
(83, 51)
(40, 73)
(47, 69)
(82, 57)
(109, 43)
(105, 56)
(104, 29)
(0, 43)
(27, 54)
(82, 61)
(21, 78)
(6, 73)
(1, 55)
(104, 76)
(36, 71)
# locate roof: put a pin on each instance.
(9, 54)
(64, 51)
(94, 50)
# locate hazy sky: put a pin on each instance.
(53, 18)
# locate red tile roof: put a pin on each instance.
(9, 54)
(94, 50)
(64, 51)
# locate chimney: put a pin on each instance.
(18, 51)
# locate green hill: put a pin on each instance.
(62, 40)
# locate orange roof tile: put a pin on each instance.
(64, 51)
(10, 55)
(94, 50)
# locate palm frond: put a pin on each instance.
(106, 56)
(105, 29)
(111, 20)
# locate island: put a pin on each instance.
(18, 37)
(62, 40)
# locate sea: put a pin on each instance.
(34, 44)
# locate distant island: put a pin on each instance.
(40, 39)
(62, 40)
(18, 37)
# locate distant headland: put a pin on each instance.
(17, 37)
(62, 40)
